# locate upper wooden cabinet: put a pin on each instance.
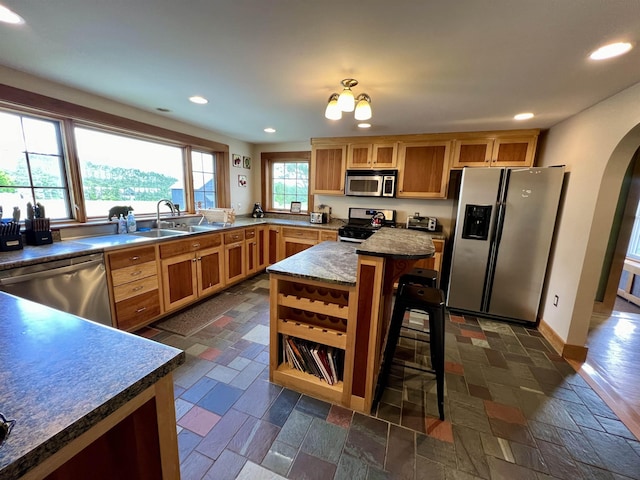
(328, 162)
(423, 169)
(372, 155)
(495, 151)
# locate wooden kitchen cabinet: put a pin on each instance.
(235, 261)
(328, 235)
(423, 169)
(496, 150)
(328, 163)
(251, 248)
(191, 268)
(134, 285)
(262, 240)
(372, 155)
(294, 240)
(273, 244)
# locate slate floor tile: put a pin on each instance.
(313, 406)
(295, 428)
(324, 440)
(226, 467)
(199, 420)
(281, 408)
(220, 398)
(253, 439)
(350, 468)
(280, 457)
(308, 467)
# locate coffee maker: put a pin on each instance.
(257, 211)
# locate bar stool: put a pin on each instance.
(419, 276)
(431, 301)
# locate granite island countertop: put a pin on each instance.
(336, 262)
(61, 375)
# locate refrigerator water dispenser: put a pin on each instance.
(477, 219)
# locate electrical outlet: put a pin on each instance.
(555, 300)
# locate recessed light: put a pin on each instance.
(364, 125)
(7, 16)
(523, 116)
(270, 130)
(199, 100)
(611, 50)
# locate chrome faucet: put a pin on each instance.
(168, 203)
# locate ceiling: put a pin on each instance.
(429, 66)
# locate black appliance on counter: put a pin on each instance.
(364, 222)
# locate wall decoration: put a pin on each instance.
(242, 180)
(237, 160)
(247, 162)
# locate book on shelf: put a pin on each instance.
(313, 358)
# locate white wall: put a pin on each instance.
(596, 145)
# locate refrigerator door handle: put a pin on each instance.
(496, 235)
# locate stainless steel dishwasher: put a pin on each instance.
(74, 285)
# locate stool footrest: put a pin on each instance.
(408, 365)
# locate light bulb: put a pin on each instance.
(333, 111)
(346, 102)
(363, 108)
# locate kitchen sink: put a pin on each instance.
(194, 228)
(158, 232)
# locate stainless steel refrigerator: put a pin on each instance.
(503, 234)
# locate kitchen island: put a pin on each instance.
(89, 401)
(338, 296)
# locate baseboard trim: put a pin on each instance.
(577, 353)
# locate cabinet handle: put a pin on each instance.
(194, 260)
(141, 309)
(195, 245)
(135, 289)
(133, 259)
(199, 258)
(136, 273)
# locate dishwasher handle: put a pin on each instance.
(49, 273)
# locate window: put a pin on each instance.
(118, 170)
(32, 168)
(633, 251)
(286, 177)
(203, 167)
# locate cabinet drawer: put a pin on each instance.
(438, 244)
(235, 236)
(328, 235)
(134, 272)
(131, 289)
(249, 233)
(300, 233)
(197, 242)
(134, 256)
(137, 310)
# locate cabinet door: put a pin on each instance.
(385, 155)
(474, 152)
(234, 262)
(273, 245)
(179, 278)
(513, 151)
(210, 265)
(424, 169)
(262, 235)
(331, 235)
(251, 247)
(359, 155)
(327, 169)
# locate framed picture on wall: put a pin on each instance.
(237, 160)
(296, 207)
(247, 162)
(242, 180)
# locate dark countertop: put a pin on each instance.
(60, 250)
(331, 262)
(62, 374)
(336, 262)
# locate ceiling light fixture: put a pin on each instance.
(8, 16)
(523, 116)
(270, 130)
(611, 50)
(347, 102)
(199, 100)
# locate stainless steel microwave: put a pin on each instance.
(371, 183)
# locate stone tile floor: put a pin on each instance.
(514, 410)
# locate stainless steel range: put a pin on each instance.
(364, 222)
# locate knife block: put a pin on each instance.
(38, 232)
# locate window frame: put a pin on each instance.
(70, 115)
(267, 161)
